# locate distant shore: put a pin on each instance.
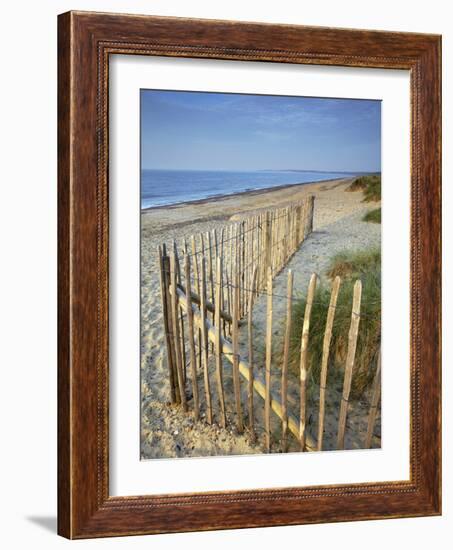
(156, 220)
(250, 192)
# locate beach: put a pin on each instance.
(168, 432)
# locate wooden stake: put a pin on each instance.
(350, 357)
(210, 266)
(241, 295)
(197, 284)
(176, 336)
(195, 263)
(204, 342)
(223, 300)
(267, 400)
(304, 359)
(251, 359)
(284, 387)
(167, 269)
(191, 338)
(311, 211)
(163, 292)
(216, 243)
(267, 246)
(230, 274)
(376, 395)
(325, 358)
(236, 381)
(181, 316)
(218, 347)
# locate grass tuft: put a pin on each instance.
(350, 266)
(370, 185)
(373, 216)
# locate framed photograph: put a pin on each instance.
(249, 275)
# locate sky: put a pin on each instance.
(215, 131)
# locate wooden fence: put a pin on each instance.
(206, 301)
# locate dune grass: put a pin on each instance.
(370, 185)
(350, 266)
(373, 216)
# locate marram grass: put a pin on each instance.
(373, 216)
(350, 266)
(370, 185)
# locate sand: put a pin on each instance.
(167, 431)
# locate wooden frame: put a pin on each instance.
(85, 41)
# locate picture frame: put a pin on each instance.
(85, 42)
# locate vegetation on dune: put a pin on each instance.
(370, 185)
(350, 266)
(355, 264)
(373, 216)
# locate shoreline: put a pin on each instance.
(249, 192)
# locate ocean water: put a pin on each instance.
(165, 187)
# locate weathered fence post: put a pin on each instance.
(251, 358)
(181, 316)
(284, 388)
(350, 357)
(236, 381)
(176, 335)
(325, 358)
(267, 401)
(304, 359)
(197, 284)
(267, 247)
(167, 329)
(218, 346)
(204, 342)
(191, 338)
(376, 395)
(311, 210)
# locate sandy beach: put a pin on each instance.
(338, 226)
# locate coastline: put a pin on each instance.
(157, 220)
(250, 192)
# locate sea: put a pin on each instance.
(169, 187)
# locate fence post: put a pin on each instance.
(267, 245)
(376, 395)
(311, 211)
(304, 359)
(350, 357)
(191, 338)
(251, 358)
(164, 291)
(284, 387)
(176, 335)
(236, 381)
(325, 358)
(204, 342)
(218, 346)
(267, 401)
(197, 284)
(223, 300)
(181, 315)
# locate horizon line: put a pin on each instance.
(263, 170)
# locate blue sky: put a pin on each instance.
(214, 131)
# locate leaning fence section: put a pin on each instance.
(209, 290)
